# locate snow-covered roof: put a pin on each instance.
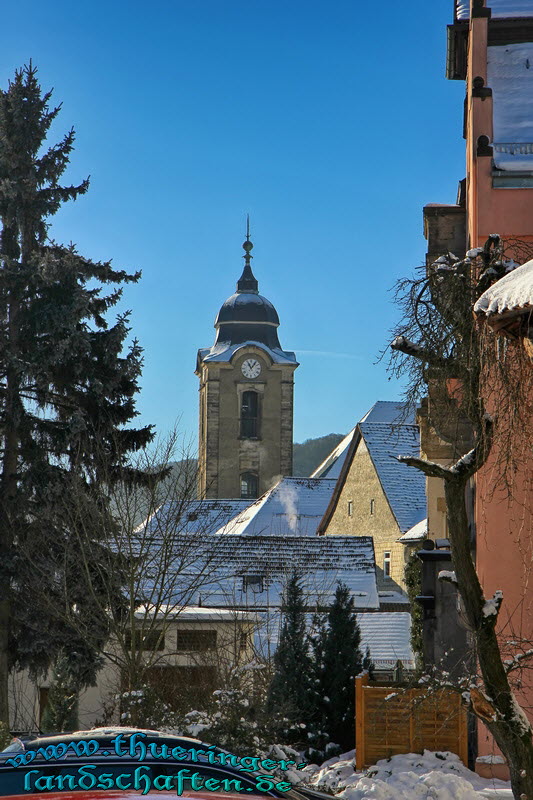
(513, 292)
(388, 635)
(416, 533)
(197, 614)
(404, 487)
(388, 430)
(383, 411)
(332, 465)
(510, 76)
(392, 412)
(225, 352)
(499, 8)
(195, 516)
(392, 597)
(268, 561)
(293, 507)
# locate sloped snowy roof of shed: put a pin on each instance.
(388, 635)
(499, 8)
(404, 487)
(416, 533)
(513, 292)
(320, 560)
(293, 507)
(196, 516)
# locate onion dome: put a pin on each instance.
(247, 315)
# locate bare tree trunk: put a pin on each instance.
(8, 488)
(502, 713)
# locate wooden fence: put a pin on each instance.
(407, 722)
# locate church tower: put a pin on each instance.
(246, 396)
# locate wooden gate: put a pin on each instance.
(407, 722)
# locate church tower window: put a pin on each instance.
(249, 485)
(250, 415)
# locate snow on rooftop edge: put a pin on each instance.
(513, 291)
(332, 464)
(417, 532)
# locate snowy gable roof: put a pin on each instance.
(388, 635)
(499, 8)
(195, 516)
(332, 465)
(391, 412)
(293, 507)
(513, 292)
(388, 430)
(510, 76)
(251, 571)
(404, 487)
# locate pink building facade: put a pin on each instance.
(490, 47)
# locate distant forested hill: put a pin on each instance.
(311, 453)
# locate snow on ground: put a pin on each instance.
(432, 776)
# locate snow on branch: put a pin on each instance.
(491, 607)
(429, 468)
(515, 662)
(410, 348)
(465, 463)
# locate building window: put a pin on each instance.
(243, 641)
(196, 641)
(350, 508)
(386, 564)
(145, 640)
(249, 415)
(249, 485)
(372, 507)
(253, 583)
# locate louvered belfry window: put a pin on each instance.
(249, 415)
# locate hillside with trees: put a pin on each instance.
(308, 455)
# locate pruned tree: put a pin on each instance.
(67, 395)
(444, 352)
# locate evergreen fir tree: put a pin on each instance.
(67, 395)
(342, 661)
(61, 710)
(289, 690)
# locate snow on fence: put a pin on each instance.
(390, 721)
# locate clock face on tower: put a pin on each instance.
(251, 368)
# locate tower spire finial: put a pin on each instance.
(247, 281)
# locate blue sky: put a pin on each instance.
(330, 122)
